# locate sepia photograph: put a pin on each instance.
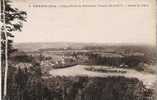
(78, 50)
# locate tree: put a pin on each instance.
(11, 19)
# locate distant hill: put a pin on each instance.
(37, 46)
(65, 45)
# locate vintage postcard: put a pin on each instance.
(78, 50)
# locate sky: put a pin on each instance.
(88, 24)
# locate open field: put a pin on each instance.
(148, 79)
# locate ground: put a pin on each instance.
(148, 79)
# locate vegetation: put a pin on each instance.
(105, 70)
(11, 19)
(28, 83)
(117, 60)
(76, 88)
(13, 22)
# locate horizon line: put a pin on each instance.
(107, 43)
